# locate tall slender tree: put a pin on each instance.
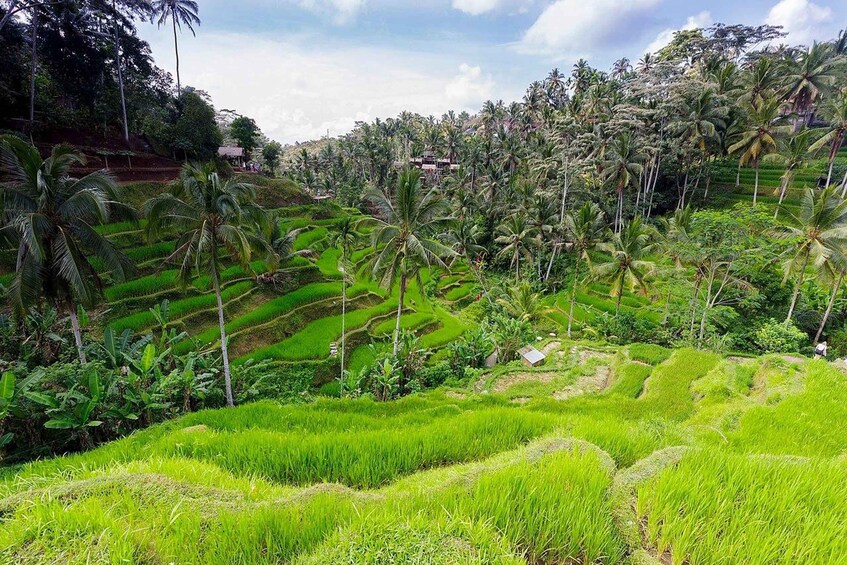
(344, 237)
(408, 225)
(584, 229)
(52, 216)
(180, 12)
(213, 217)
(761, 136)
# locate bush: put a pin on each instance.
(648, 353)
(623, 328)
(779, 337)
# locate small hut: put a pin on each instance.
(531, 357)
(235, 155)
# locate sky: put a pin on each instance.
(307, 68)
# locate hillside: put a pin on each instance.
(639, 455)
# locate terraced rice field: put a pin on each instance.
(604, 455)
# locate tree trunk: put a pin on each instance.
(77, 332)
(829, 174)
(618, 304)
(844, 186)
(176, 50)
(798, 286)
(698, 281)
(399, 313)
(120, 74)
(573, 292)
(343, 313)
(828, 311)
(550, 264)
(738, 175)
(756, 186)
(221, 324)
(33, 67)
(565, 187)
(782, 189)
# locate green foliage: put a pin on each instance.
(780, 337)
(245, 132)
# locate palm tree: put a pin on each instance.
(465, 235)
(345, 237)
(833, 272)
(629, 267)
(760, 139)
(181, 12)
(52, 217)
(517, 237)
(584, 229)
(835, 113)
(809, 77)
(212, 216)
(405, 235)
(621, 169)
(793, 155)
(522, 302)
(819, 227)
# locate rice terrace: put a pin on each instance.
(603, 321)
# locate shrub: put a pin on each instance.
(779, 337)
(623, 328)
(648, 353)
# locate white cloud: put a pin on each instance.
(339, 11)
(802, 19)
(476, 7)
(578, 27)
(470, 87)
(703, 19)
(297, 90)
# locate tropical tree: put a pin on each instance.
(52, 217)
(584, 229)
(834, 111)
(629, 267)
(622, 167)
(213, 217)
(408, 225)
(465, 235)
(819, 226)
(180, 12)
(808, 77)
(761, 136)
(793, 155)
(522, 302)
(344, 237)
(832, 272)
(517, 237)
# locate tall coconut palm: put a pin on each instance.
(629, 267)
(761, 136)
(622, 167)
(212, 217)
(809, 77)
(833, 272)
(180, 12)
(408, 225)
(835, 113)
(584, 229)
(517, 237)
(793, 155)
(818, 227)
(52, 216)
(465, 236)
(344, 237)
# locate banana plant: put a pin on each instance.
(12, 393)
(189, 382)
(144, 382)
(74, 409)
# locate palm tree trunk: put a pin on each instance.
(829, 174)
(618, 304)
(782, 189)
(828, 311)
(77, 332)
(343, 314)
(756, 186)
(176, 50)
(798, 286)
(221, 324)
(844, 185)
(738, 175)
(573, 292)
(550, 264)
(399, 313)
(565, 187)
(697, 283)
(120, 74)
(33, 67)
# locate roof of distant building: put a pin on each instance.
(231, 151)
